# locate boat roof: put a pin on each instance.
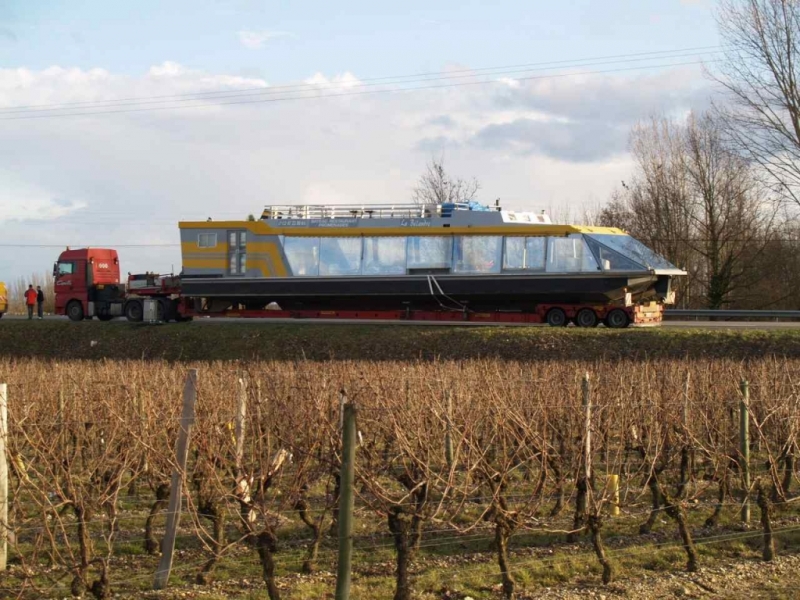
(396, 219)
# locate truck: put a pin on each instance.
(88, 284)
(3, 299)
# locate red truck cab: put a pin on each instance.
(87, 284)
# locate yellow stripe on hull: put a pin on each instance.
(205, 263)
(261, 228)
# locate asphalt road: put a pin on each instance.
(669, 324)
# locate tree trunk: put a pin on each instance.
(399, 527)
(501, 535)
(685, 465)
(595, 524)
(266, 544)
(722, 491)
(101, 589)
(579, 521)
(558, 476)
(217, 516)
(82, 515)
(558, 473)
(765, 505)
(337, 490)
(788, 474)
(310, 562)
(676, 512)
(162, 500)
(655, 492)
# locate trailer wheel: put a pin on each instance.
(162, 312)
(617, 319)
(556, 317)
(134, 311)
(75, 311)
(586, 317)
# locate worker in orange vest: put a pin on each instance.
(30, 300)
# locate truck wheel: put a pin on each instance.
(134, 310)
(556, 317)
(75, 311)
(586, 317)
(617, 319)
(162, 312)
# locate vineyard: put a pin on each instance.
(480, 478)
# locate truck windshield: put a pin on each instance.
(66, 268)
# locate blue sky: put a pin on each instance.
(557, 142)
(367, 38)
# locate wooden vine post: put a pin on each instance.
(178, 474)
(744, 447)
(346, 502)
(3, 476)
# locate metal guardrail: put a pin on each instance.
(731, 314)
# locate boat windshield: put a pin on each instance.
(633, 249)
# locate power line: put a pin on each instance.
(342, 94)
(653, 55)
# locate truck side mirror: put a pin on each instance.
(55, 270)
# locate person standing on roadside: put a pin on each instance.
(30, 300)
(40, 301)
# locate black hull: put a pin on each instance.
(478, 292)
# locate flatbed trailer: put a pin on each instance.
(553, 314)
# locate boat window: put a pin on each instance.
(633, 249)
(524, 253)
(303, 255)
(384, 256)
(514, 255)
(569, 254)
(534, 253)
(207, 240)
(477, 254)
(430, 252)
(340, 256)
(611, 260)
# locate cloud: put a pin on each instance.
(24, 201)
(572, 142)
(255, 40)
(443, 121)
(343, 81)
(128, 178)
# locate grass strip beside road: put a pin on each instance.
(194, 341)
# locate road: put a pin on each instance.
(669, 324)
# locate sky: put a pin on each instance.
(105, 142)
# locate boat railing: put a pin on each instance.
(359, 211)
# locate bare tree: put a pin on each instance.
(436, 186)
(652, 205)
(731, 218)
(698, 204)
(760, 74)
